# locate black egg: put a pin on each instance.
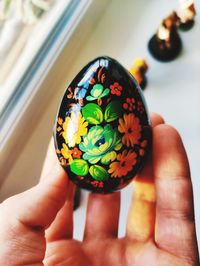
(102, 131)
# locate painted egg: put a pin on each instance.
(102, 131)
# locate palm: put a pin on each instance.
(97, 252)
(66, 252)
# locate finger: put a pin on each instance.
(156, 119)
(175, 229)
(38, 206)
(102, 216)
(141, 218)
(62, 226)
(50, 163)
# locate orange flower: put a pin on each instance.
(116, 88)
(76, 153)
(130, 126)
(127, 160)
(60, 121)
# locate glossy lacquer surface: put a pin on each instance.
(102, 132)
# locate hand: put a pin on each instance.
(36, 226)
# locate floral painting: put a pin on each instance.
(102, 137)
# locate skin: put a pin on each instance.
(36, 226)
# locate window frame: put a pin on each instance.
(35, 84)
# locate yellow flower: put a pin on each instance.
(66, 153)
(74, 127)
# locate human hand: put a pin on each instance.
(36, 227)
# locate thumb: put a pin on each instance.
(24, 217)
(38, 206)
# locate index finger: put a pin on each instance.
(141, 219)
(62, 226)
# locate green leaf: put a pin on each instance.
(92, 113)
(98, 173)
(113, 111)
(90, 98)
(105, 93)
(108, 157)
(79, 167)
(96, 90)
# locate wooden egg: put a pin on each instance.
(102, 131)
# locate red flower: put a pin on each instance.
(140, 107)
(129, 104)
(97, 184)
(76, 153)
(142, 147)
(116, 88)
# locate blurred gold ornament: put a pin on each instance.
(138, 70)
